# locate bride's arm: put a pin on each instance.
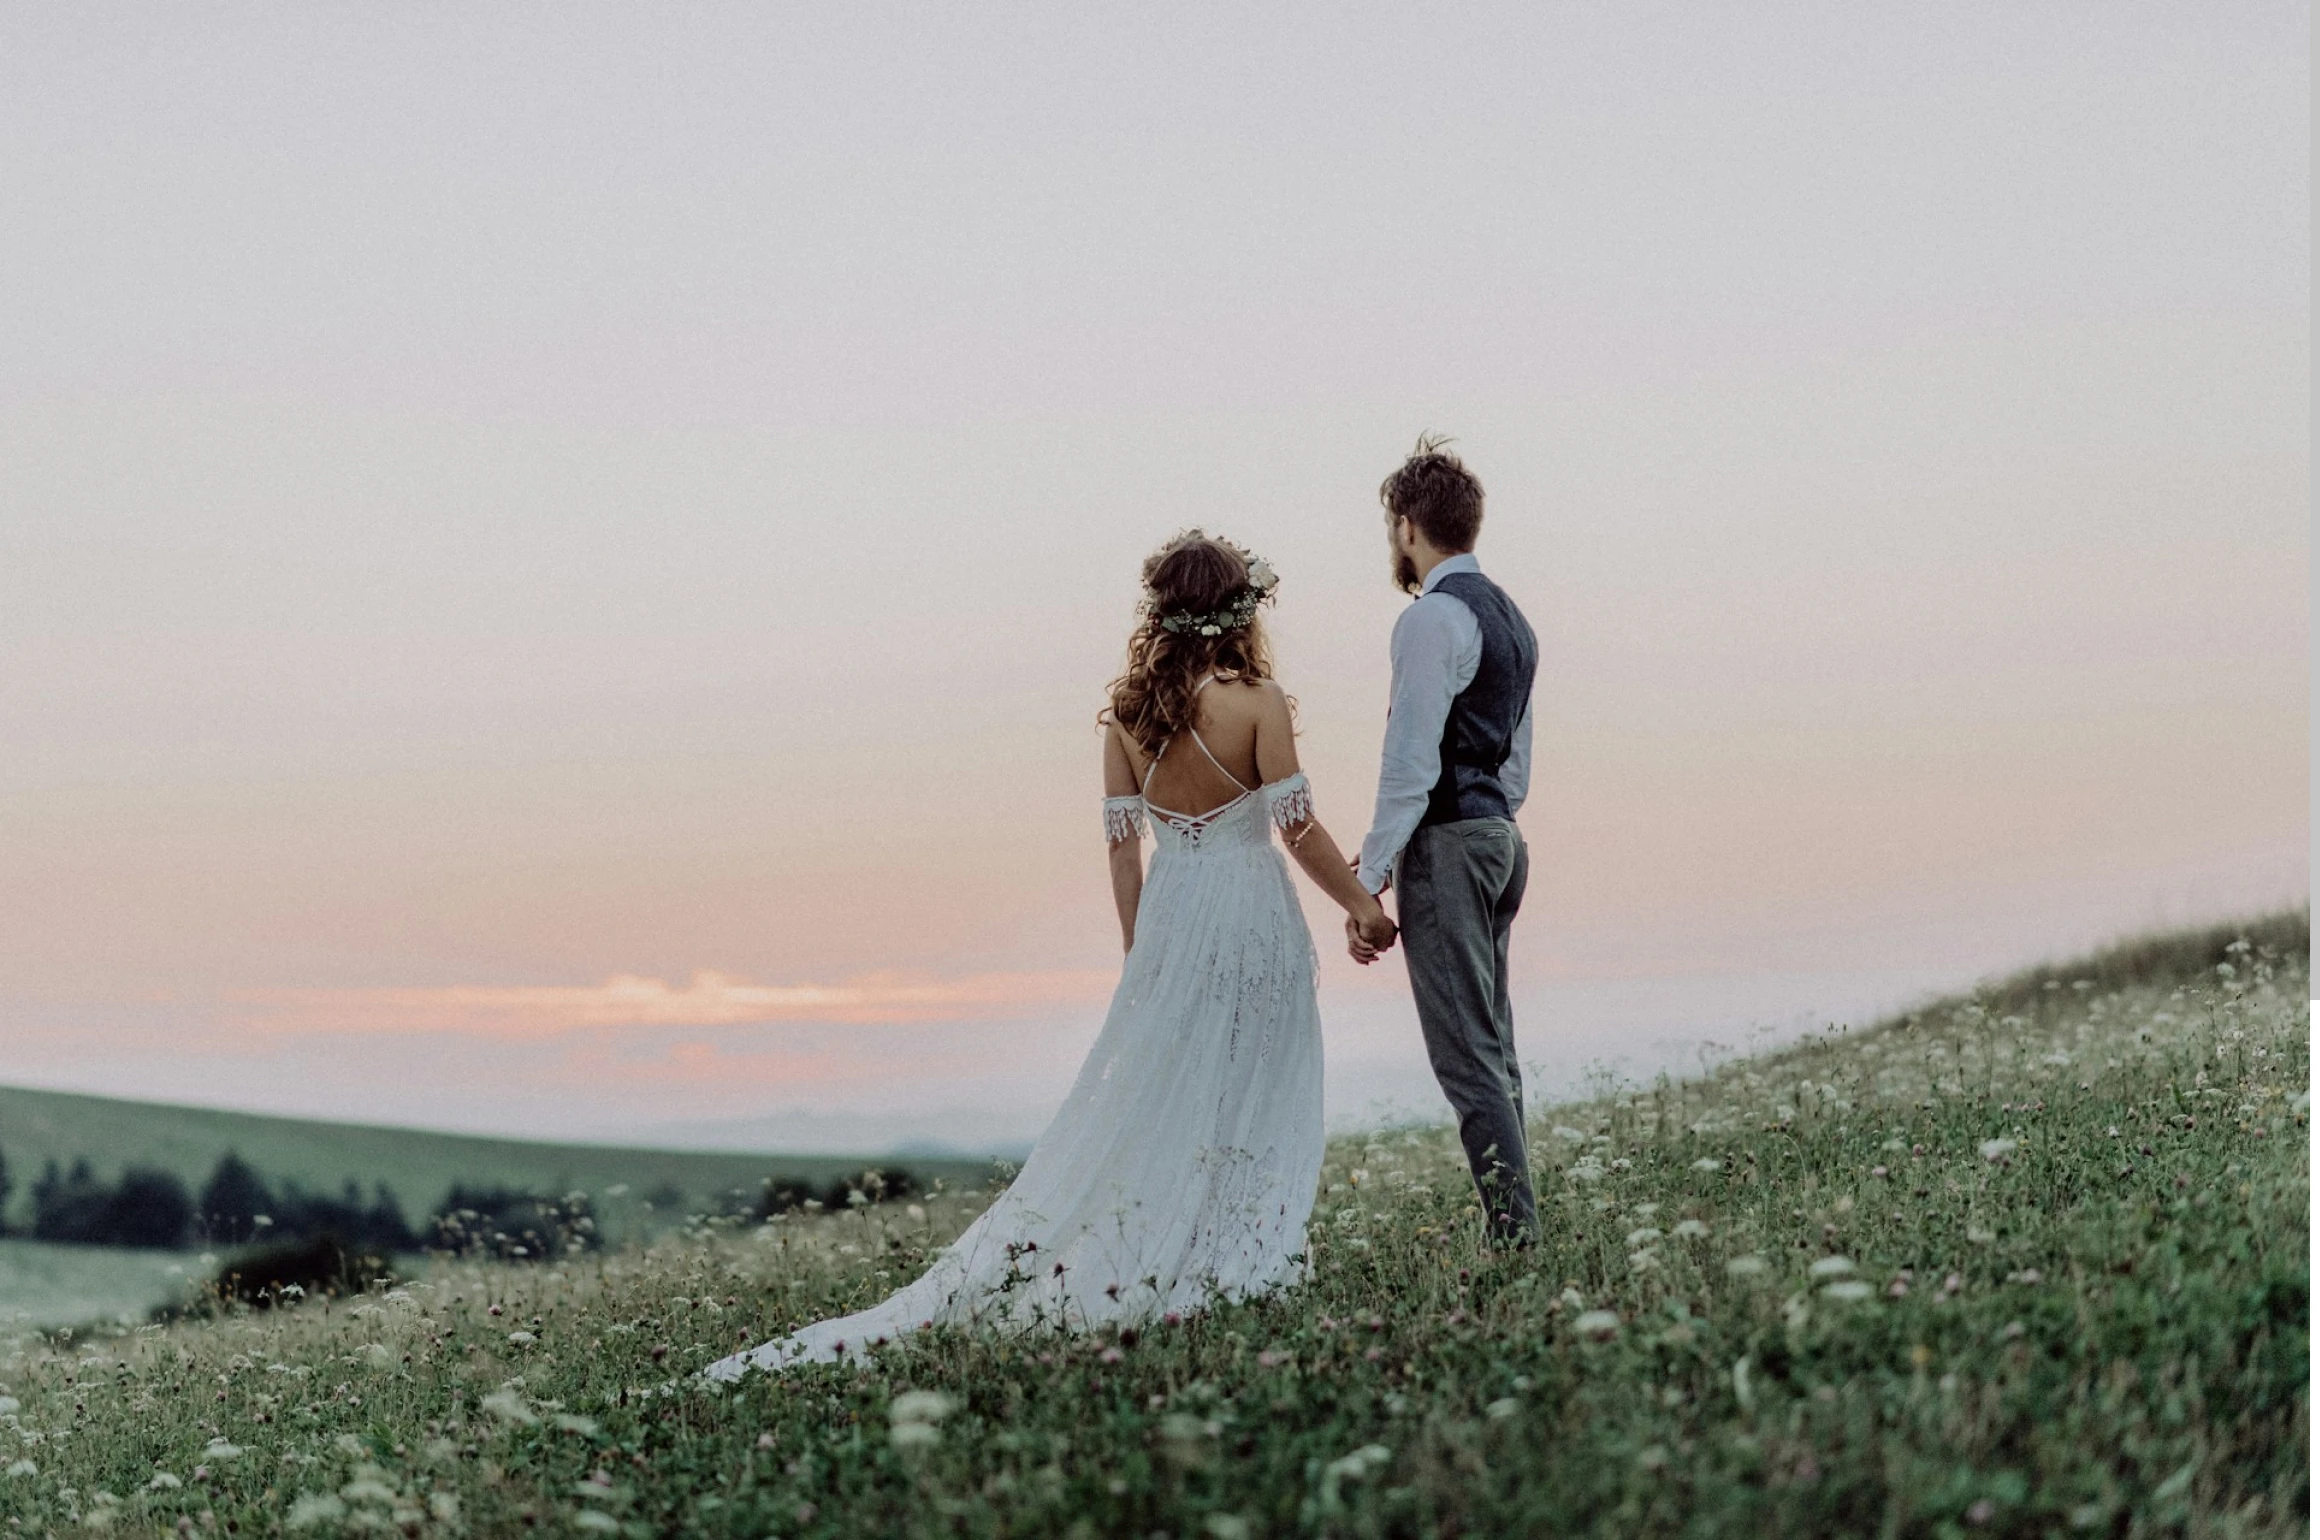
(1307, 840)
(1126, 840)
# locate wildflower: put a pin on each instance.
(21, 1468)
(1501, 1409)
(10, 1406)
(219, 1449)
(913, 1435)
(508, 1405)
(313, 1509)
(163, 1481)
(1562, 1131)
(1113, 1355)
(1642, 1237)
(1745, 1267)
(1831, 1267)
(1847, 1289)
(1998, 1149)
(1707, 1163)
(1597, 1323)
(522, 1339)
(928, 1406)
(597, 1522)
(1691, 1229)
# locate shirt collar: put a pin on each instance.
(1463, 562)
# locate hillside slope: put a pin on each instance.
(2030, 1262)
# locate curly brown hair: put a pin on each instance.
(1193, 574)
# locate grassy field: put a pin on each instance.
(39, 1126)
(2032, 1263)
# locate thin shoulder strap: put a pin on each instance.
(1203, 742)
(1153, 763)
(1212, 759)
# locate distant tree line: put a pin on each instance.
(152, 1207)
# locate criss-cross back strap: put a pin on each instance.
(1154, 763)
(1212, 759)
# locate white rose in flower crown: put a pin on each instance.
(1261, 575)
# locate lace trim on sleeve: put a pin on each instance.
(1123, 819)
(1290, 800)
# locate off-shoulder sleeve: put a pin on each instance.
(1289, 800)
(1123, 819)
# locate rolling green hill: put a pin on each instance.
(39, 1126)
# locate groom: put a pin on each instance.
(1456, 768)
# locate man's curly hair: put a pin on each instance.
(1434, 490)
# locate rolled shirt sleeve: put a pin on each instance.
(1437, 646)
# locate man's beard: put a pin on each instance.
(1405, 572)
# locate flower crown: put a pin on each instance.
(1238, 611)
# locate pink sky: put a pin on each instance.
(557, 576)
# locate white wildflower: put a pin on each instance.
(1831, 1267)
(508, 1405)
(21, 1468)
(1642, 1237)
(522, 1339)
(219, 1449)
(1998, 1149)
(1745, 1267)
(921, 1406)
(913, 1435)
(163, 1481)
(1691, 1229)
(314, 1509)
(1847, 1288)
(1565, 1131)
(1501, 1409)
(1707, 1163)
(1598, 1323)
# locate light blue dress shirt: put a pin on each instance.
(1437, 647)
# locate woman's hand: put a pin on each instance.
(1368, 935)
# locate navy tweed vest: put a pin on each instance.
(1479, 734)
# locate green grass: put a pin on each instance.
(421, 1166)
(2075, 1219)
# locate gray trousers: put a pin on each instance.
(1460, 885)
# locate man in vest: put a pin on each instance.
(1455, 771)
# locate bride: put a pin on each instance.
(1182, 1166)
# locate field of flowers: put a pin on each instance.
(2033, 1262)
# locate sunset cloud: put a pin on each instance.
(709, 999)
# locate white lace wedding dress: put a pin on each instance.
(1181, 1169)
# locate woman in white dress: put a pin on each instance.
(1181, 1168)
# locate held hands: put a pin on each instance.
(1369, 936)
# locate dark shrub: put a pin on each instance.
(321, 1265)
(514, 1226)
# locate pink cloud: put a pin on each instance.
(709, 999)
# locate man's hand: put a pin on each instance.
(1366, 940)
